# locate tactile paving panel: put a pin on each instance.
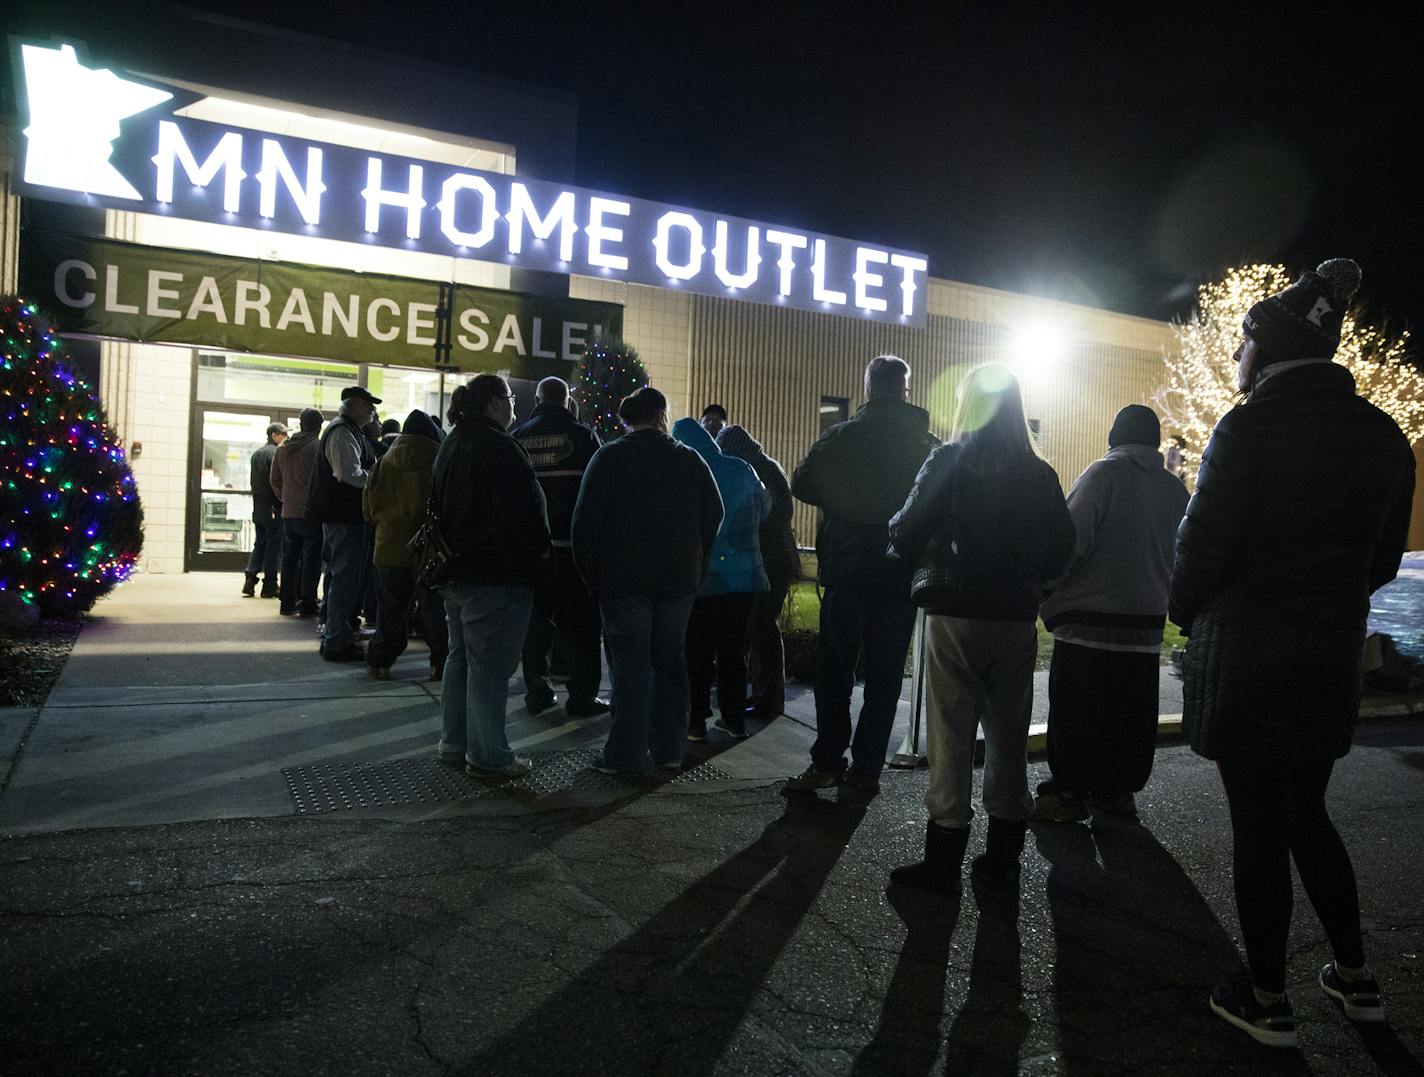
(329, 787)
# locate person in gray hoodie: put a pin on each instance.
(1106, 613)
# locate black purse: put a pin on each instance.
(431, 554)
(940, 573)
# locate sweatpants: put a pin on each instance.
(1278, 814)
(978, 673)
(1102, 719)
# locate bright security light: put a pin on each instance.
(1036, 346)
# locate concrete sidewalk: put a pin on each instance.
(183, 701)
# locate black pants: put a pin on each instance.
(717, 649)
(301, 564)
(396, 589)
(1102, 719)
(879, 624)
(266, 553)
(766, 665)
(564, 606)
(1278, 814)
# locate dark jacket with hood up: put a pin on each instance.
(859, 473)
(1301, 511)
(398, 489)
(490, 506)
(292, 470)
(559, 447)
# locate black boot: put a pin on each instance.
(249, 587)
(1000, 863)
(939, 871)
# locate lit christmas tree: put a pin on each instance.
(1200, 385)
(608, 371)
(71, 526)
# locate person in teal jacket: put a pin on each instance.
(717, 629)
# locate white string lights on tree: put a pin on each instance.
(1200, 375)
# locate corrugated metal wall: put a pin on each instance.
(770, 367)
(9, 211)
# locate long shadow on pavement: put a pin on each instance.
(1138, 948)
(672, 996)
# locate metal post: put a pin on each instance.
(912, 752)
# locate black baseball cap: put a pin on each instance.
(360, 393)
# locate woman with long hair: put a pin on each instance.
(492, 512)
(987, 524)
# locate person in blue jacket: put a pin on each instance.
(717, 629)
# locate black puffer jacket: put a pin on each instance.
(859, 473)
(1010, 527)
(490, 506)
(1301, 511)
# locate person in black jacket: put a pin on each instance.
(766, 666)
(492, 512)
(1301, 511)
(266, 553)
(560, 447)
(858, 474)
(643, 529)
(988, 513)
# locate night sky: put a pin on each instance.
(1113, 156)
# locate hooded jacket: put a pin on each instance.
(1301, 511)
(1125, 509)
(736, 565)
(292, 470)
(398, 489)
(779, 555)
(859, 473)
(646, 519)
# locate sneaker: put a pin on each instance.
(303, 612)
(587, 708)
(813, 778)
(451, 758)
(735, 730)
(1125, 804)
(697, 730)
(249, 587)
(1360, 998)
(270, 592)
(351, 653)
(862, 783)
(287, 611)
(538, 704)
(517, 767)
(379, 673)
(671, 767)
(1051, 806)
(1273, 1025)
(603, 768)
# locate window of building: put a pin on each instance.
(273, 381)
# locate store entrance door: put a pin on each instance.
(220, 528)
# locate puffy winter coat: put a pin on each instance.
(395, 496)
(736, 564)
(859, 473)
(1010, 531)
(1301, 511)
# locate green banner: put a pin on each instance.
(103, 287)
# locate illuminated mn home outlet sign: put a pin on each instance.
(98, 138)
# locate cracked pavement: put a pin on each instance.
(686, 930)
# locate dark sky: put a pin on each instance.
(1107, 155)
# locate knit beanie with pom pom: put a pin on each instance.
(1303, 322)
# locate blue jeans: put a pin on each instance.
(266, 553)
(856, 619)
(350, 550)
(487, 625)
(646, 637)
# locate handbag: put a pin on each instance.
(430, 552)
(940, 573)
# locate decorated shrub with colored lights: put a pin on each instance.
(608, 371)
(70, 521)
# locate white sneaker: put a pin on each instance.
(517, 767)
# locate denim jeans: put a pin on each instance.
(852, 619)
(301, 564)
(350, 550)
(266, 553)
(978, 672)
(487, 625)
(646, 637)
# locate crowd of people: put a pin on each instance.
(671, 548)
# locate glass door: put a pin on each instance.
(220, 524)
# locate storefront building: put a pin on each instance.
(256, 220)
